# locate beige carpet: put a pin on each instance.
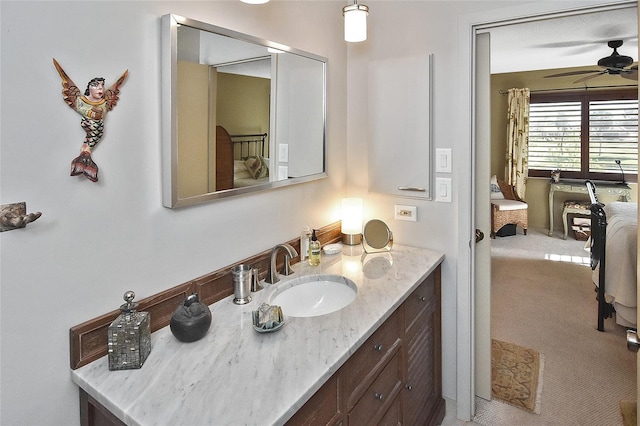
(550, 306)
(514, 374)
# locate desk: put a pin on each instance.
(578, 186)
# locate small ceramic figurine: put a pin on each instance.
(191, 320)
(13, 216)
(93, 107)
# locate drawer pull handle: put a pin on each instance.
(409, 388)
(378, 348)
(422, 298)
(379, 396)
(411, 188)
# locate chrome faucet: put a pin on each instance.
(272, 274)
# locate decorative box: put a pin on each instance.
(129, 338)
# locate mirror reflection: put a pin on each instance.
(246, 114)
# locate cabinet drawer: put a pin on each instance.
(421, 298)
(366, 363)
(322, 409)
(379, 396)
(393, 416)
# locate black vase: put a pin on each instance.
(191, 320)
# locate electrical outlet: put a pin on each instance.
(409, 213)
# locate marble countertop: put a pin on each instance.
(235, 375)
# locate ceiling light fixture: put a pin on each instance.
(255, 1)
(355, 22)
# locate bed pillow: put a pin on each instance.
(240, 170)
(257, 166)
(496, 194)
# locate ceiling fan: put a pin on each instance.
(614, 64)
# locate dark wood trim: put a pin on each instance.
(88, 341)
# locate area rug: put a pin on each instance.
(514, 374)
(629, 411)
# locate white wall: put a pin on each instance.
(96, 240)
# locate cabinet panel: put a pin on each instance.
(92, 413)
(422, 298)
(366, 363)
(422, 402)
(379, 396)
(393, 416)
(419, 391)
(400, 125)
(323, 408)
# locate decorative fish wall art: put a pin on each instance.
(93, 106)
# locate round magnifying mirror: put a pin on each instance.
(377, 237)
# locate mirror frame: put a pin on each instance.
(169, 114)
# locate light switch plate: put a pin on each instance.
(283, 152)
(443, 160)
(443, 190)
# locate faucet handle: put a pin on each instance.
(286, 268)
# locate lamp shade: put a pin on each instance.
(254, 1)
(351, 216)
(355, 22)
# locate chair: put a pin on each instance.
(508, 209)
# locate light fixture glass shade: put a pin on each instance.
(355, 22)
(351, 221)
(254, 1)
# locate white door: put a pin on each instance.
(482, 270)
(638, 280)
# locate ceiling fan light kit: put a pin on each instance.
(614, 64)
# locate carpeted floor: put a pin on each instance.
(550, 305)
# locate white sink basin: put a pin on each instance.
(313, 295)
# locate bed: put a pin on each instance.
(241, 160)
(614, 233)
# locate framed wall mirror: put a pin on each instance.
(239, 114)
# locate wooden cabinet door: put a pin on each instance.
(422, 394)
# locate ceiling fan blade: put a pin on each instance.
(566, 74)
(631, 74)
(589, 77)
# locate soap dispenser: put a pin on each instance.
(314, 250)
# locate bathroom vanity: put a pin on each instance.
(375, 361)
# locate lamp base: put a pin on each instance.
(351, 239)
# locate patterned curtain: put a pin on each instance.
(517, 164)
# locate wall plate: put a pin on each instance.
(443, 190)
(443, 160)
(409, 213)
(283, 152)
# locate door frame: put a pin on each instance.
(469, 26)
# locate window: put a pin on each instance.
(584, 134)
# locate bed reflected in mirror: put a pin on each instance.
(245, 115)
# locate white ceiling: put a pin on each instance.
(565, 42)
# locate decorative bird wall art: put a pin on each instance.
(93, 107)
